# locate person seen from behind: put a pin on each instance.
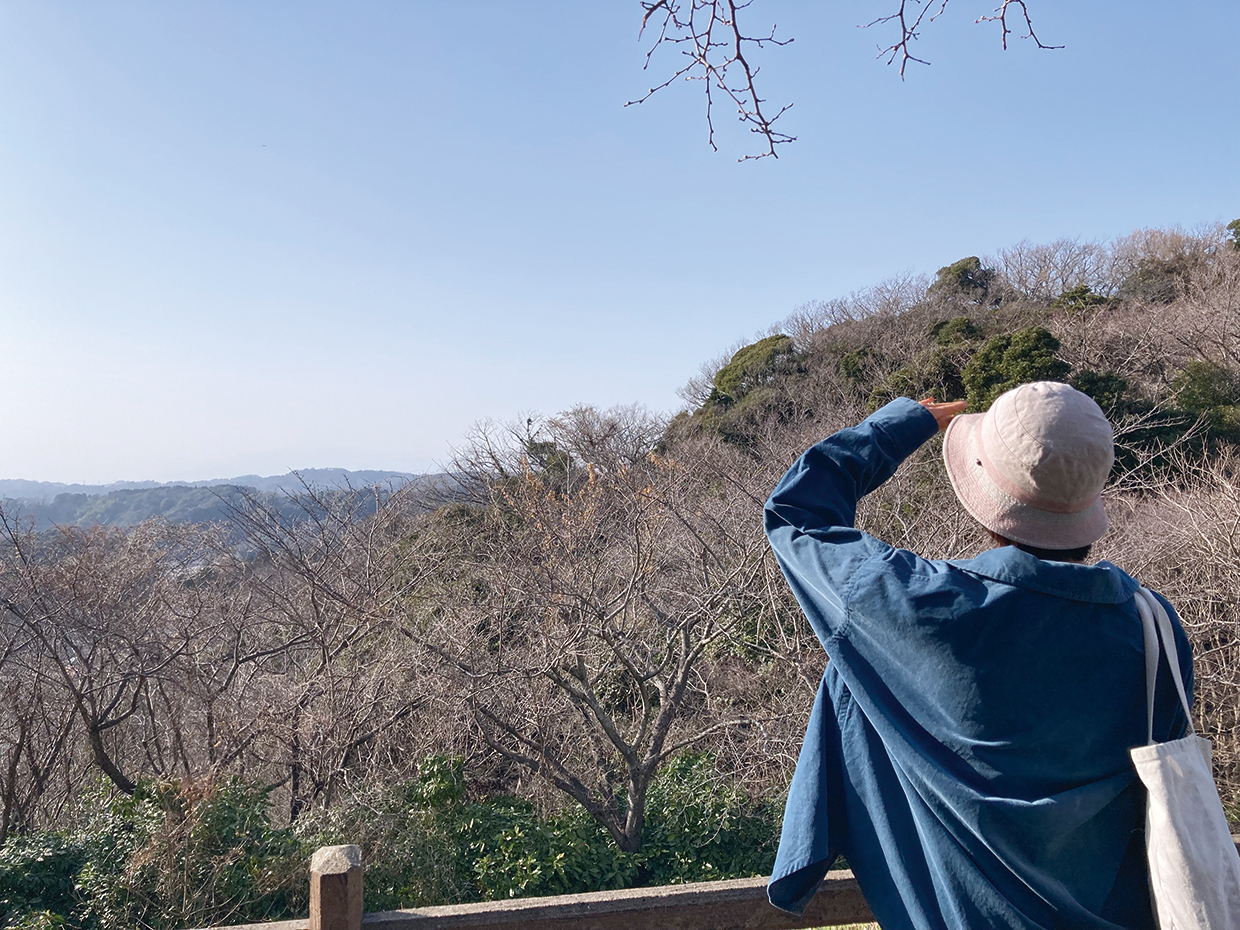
(967, 752)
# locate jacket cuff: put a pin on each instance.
(906, 423)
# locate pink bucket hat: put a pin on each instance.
(1032, 467)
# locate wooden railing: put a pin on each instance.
(740, 904)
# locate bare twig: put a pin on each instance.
(908, 32)
(710, 37)
(1000, 17)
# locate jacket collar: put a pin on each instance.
(1100, 583)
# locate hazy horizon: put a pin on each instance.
(202, 482)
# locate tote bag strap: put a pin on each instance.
(1151, 661)
(1152, 611)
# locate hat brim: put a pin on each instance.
(998, 511)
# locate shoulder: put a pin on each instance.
(903, 585)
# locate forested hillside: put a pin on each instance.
(125, 504)
(25, 489)
(581, 668)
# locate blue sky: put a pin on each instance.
(251, 236)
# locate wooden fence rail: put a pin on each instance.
(739, 904)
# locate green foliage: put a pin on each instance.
(1234, 228)
(410, 835)
(696, 830)
(173, 856)
(425, 842)
(1211, 392)
(169, 857)
(37, 920)
(514, 853)
(966, 277)
(859, 366)
(39, 878)
(548, 459)
(744, 394)
(1080, 297)
(1156, 280)
(932, 374)
(752, 366)
(1107, 388)
(955, 331)
(1009, 360)
(699, 829)
(1202, 386)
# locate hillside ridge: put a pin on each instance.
(125, 504)
(35, 490)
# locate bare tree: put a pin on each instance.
(95, 613)
(1044, 271)
(1183, 541)
(337, 577)
(586, 592)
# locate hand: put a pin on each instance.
(943, 413)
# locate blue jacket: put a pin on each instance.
(968, 749)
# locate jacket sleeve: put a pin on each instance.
(811, 513)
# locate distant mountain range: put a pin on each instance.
(125, 503)
(23, 489)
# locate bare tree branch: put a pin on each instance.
(1000, 16)
(718, 52)
(709, 35)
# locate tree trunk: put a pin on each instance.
(104, 761)
(295, 803)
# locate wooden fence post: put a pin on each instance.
(336, 888)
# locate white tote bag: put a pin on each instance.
(1194, 868)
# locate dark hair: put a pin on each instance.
(1050, 555)
(1056, 555)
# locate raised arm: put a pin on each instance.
(811, 513)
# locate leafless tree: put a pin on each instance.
(1042, 272)
(1183, 541)
(95, 614)
(586, 593)
(342, 675)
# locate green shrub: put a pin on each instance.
(1202, 386)
(1157, 280)
(176, 856)
(700, 829)
(37, 920)
(514, 853)
(966, 278)
(932, 374)
(955, 331)
(171, 856)
(752, 366)
(1211, 392)
(1080, 297)
(1234, 229)
(744, 396)
(39, 879)
(1007, 361)
(696, 830)
(860, 366)
(1107, 388)
(409, 833)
